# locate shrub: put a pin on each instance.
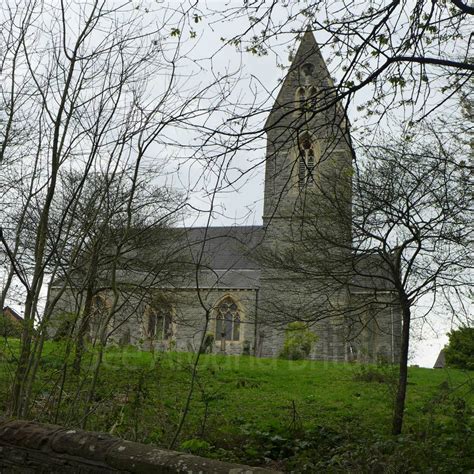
(299, 341)
(64, 323)
(460, 350)
(381, 373)
(196, 446)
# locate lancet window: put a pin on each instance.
(306, 98)
(306, 162)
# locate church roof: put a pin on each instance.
(226, 255)
(10, 312)
(224, 248)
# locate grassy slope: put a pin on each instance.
(237, 398)
(262, 391)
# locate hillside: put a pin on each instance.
(295, 415)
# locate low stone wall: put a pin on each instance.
(28, 447)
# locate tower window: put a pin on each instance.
(305, 99)
(307, 69)
(306, 163)
(311, 95)
(301, 96)
(227, 320)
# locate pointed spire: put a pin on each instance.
(308, 51)
(307, 70)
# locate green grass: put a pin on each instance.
(301, 415)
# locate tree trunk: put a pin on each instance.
(22, 366)
(84, 320)
(82, 332)
(399, 408)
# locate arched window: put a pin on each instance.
(300, 96)
(307, 69)
(159, 322)
(99, 305)
(305, 99)
(227, 320)
(311, 96)
(306, 162)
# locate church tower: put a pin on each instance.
(308, 143)
(307, 206)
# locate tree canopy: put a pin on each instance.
(460, 350)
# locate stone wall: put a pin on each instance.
(188, 319)
(28, 447)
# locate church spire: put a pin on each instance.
(307, 70)
(307, 50)
(307, 134)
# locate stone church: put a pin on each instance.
(244, 285)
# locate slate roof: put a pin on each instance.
(226, 258)
(226, 255)
(224, 248)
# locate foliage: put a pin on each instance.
(374, 47)
(64, 323)
(299, 341)
(196, 446)
(381, 373)
(347, 448)
(460, 350)
(246, 347)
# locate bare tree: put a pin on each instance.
(79, 79)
